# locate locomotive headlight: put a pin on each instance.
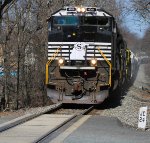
(82, 9)
(93, 62)
(61, 61)
(78, 9)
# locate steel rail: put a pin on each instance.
(25, 118)
(78, 115)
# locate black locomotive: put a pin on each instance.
(87, 56)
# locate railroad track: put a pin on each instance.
(75, 123)
(77, 114)
(28, 117)
(37, 129)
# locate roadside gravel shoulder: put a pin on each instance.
(137, 96)
(128, 112)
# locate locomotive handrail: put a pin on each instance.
(107, 63)
(49, 62)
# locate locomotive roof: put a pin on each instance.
(88, 11)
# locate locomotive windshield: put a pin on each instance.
(101, 21)
(80, 28)
(65, 20)
(74, 20)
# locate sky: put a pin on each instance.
(136, 25)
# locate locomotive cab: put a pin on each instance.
(82, 27)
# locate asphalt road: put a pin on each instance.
(106, 130)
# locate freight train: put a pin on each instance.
(87, 56)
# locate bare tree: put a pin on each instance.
(142, 7)
(24, 47)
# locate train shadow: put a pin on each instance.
(116, 97)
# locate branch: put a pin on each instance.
(6, 2)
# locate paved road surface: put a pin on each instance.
(97, 129)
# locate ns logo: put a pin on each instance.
(78, 52)
(79, 46)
